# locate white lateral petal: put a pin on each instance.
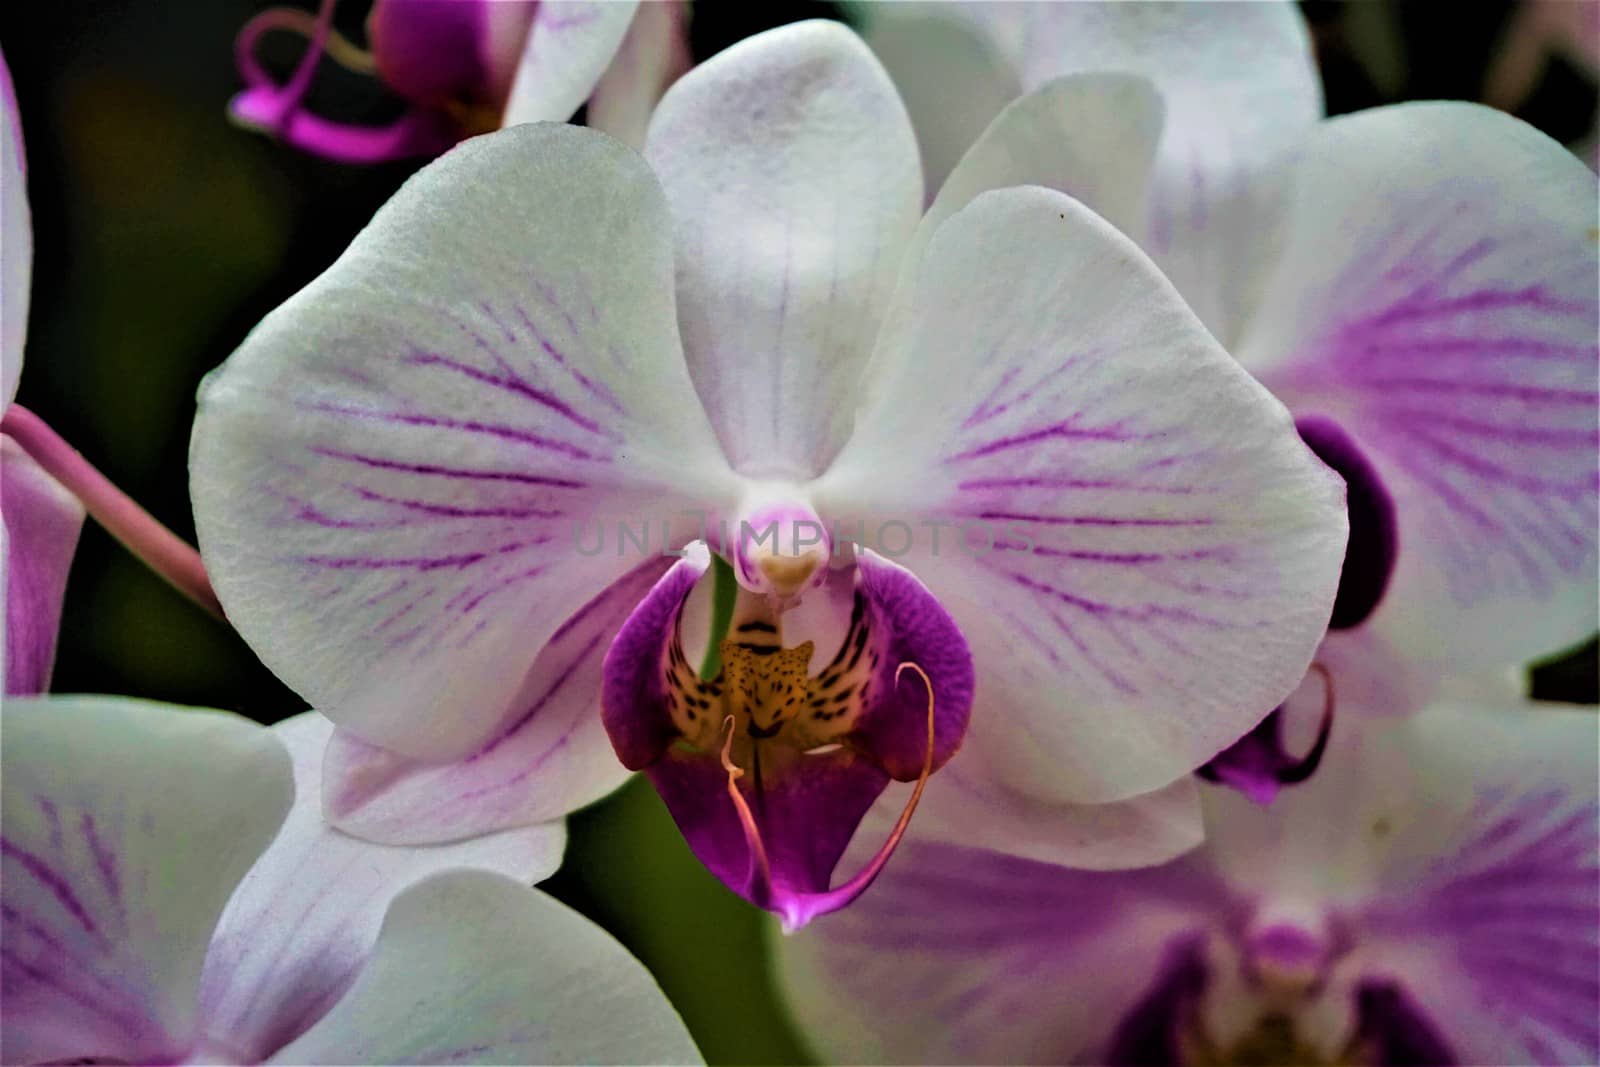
(952, 77)
(126, 825)
(792, 173)
(1436, 296)
(305, 918)
(16, 241)
(1151, 511)
(552, 759)
(389, 474)
(474, 968)
(569, 46)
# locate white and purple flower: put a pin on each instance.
(169, 899)
(1414, 282)
(543, 334)
(1430, 897)
(464, 67)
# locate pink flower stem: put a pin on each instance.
(140, 533)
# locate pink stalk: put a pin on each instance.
(140, 533)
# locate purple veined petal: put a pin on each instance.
(471, 967)
(398, 475)
(16, 241)
(551, 759)
(838, 728)
(303, 922)
(952, 77)
(1240, 87)
(1123, 508)
(124, 828)
(793, 177)
(41, 521)
(442, 52)
(1487, 883)
(653, 55)
(565, 52)
(1374, 535)
(1434, 298)
(961, 955)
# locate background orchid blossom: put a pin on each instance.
(1414, 281)
(170, 899)
(1429, 898)
(538, 332)
(468, 66)
(39, 519)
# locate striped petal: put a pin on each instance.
(1435, 299)
(1136, 510)
(304, 920)
(125, 826)
(551, 759)
(390, 473)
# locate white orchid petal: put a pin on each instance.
(1091, 136)
(474, 968)
(953, 78)
(125, 826)
(568, 47)
(390, 474)
(1436, 297)
(792, 173)
(1143, 510)
(305, 918)
(553, 758)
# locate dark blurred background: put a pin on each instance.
(163, 234)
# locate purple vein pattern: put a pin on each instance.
(1466, 361)
(1136, 513)
(390, 473)
(551, 757)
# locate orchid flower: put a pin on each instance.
(172, 895)
(1414, 282)
(464, 67)
(396, 477)
(1432, 896)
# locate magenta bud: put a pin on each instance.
(440, 53)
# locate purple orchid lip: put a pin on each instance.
(1374, 532)
(769, 768)
(1258, 765)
